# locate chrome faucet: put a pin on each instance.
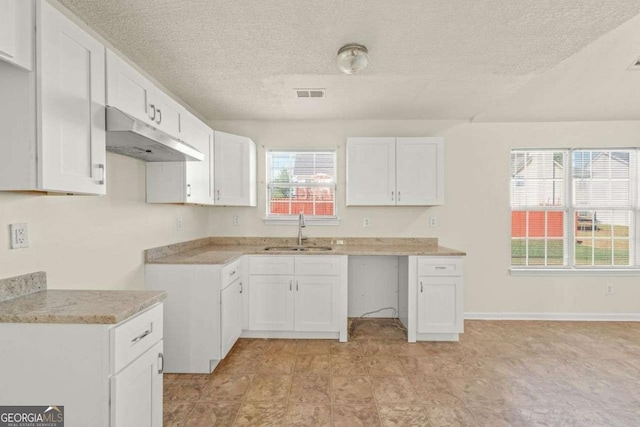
(301, 225)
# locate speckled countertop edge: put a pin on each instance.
(78, 306)
(224, 250)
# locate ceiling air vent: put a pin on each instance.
(309, 93)
(635, 66)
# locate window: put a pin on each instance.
(301, 181)
(574, 209)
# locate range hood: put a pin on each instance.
(131, 137)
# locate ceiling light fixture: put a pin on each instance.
(352, 58)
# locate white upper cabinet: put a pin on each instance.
(235, 170)
(17, 32)
(371, 171)
(53, 120)
(185, 182)
(129, 91)
(395, 171)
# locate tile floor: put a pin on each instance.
(501, 373)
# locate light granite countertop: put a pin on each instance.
(225, 249)
(25, 299)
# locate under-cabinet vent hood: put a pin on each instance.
(131, 137)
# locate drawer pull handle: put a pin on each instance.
(232, 273)
(421, 289)
(153, 108)
(141, 336)
(160, 363)
(296, 285)
(439, 267)
(240, 287)
(101, 180)
(290, 285)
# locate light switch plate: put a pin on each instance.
(19, 236)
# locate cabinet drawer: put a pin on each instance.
(271, 265)
(439, 266)
(230, 273)
(318, 265)
(133, 337)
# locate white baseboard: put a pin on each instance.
(589, 317)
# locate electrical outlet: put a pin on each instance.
(366, 222)
(19, 236)
(179, 224)
(236, 220)
(608, 289)
(433, 221)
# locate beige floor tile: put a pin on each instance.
(434, 391)
(350, 347)
(261, 414)
(282, 347)
(269, 388)
(314, 346)
(383, 365)
(351, 390)
(211, 414)
(313, 364)
(175, 414)
(347, 364)
(453, 416)
(274, 363)
(403, 415)
(355, 415)
(227, 388)
(302, 415)
(184, 389)
(310, 389)
(393, 390)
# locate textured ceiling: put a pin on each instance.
(429, 59)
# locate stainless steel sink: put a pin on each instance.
(298, 248)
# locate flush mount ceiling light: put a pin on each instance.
(352, 58)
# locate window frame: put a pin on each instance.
(571, 209)
(271, 219)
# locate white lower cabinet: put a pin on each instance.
(103, 375)
(439, 290)
(297, 296)
(203, 312)
(230, 315)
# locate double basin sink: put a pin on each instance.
(298, 248)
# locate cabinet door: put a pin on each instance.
(316, 302)
(167, 113)
(371, 175)
(136, 392)
(16, 32)
(419, 171)
(128, 90)
(199, 174)
(440, 304)
(230, 316)
(71, 77)
(235, 170)
(271, 303)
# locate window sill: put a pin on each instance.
(574, 272)
(307, 220)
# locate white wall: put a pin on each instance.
(476, 215)
(91, 242)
